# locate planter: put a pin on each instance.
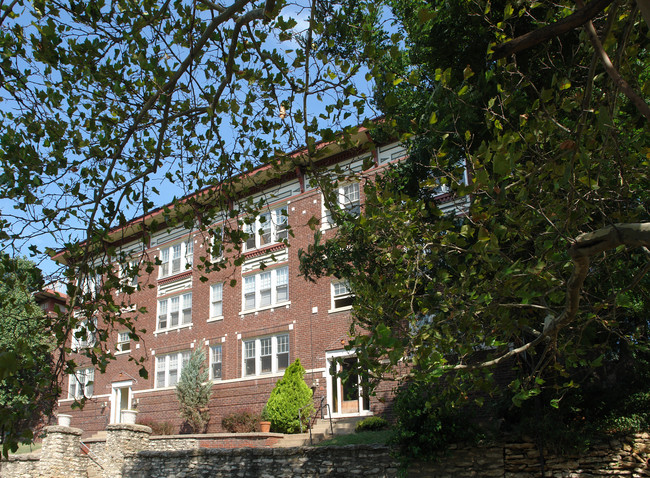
(129, 416)
(64, 420)
(265, 427)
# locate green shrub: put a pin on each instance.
(426, 424)
(157, 428)
(290, 394)
(243, 421)
(193, 391)
(371, 424)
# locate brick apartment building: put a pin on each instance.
(250, 331)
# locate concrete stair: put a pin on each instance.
(321, 431)
(100, 435)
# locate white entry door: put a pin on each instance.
(121, 399)
(345, 396)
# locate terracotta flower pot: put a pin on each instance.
(265, 427)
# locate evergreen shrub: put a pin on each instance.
(290, 395)
(193, 391)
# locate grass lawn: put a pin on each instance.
(361, 438)
(22, 448)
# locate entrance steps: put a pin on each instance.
(100, 435)
(321, 431)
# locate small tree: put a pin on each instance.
(193, 391)
(290, 394)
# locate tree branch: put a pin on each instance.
(543, 34)
(613, 73)
(584, 247)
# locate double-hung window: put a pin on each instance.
(175, 311)
(129, 273)
(268, 228)
(83, 336)
(348, 199)
(266, 355)
(123, 342)
(215, 362)
(342, 297)
(176, 258)
(169, 368)
(216, 301)
(266, 289)
(81, 383)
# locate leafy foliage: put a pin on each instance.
(289, 396)
(243, 421)
(28, 386)
(427, 422)
(102, 102)
(463, 247)
(193, 391)
(371, 424)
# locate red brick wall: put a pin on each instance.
(311, 335)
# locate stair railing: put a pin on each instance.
(88, 452)
(319, 409)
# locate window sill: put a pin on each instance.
(215, 319)
(171, 329)
(268, 307)
(340, 309)
(122, 352)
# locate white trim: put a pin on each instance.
(330, 384)
(213, 301)
(182, 251)
(259, 351)
(262, 286)
(267, 232)
(116, 399)
(182, 306)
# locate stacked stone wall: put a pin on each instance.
(129, 453)
(347, 461)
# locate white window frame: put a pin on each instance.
(217, 233)
(79, 343)
(216, 301)
(272, 230)
(125, 278)
(271, 283)
(216, 357)
(344, 202)
(164, 364)
(123, 342)
(275, 346)
(81, 383)
(183, 252)
(340, 290)
(179, 304)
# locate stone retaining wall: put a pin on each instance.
(346, 461)
(617, 457)
(220, 440)
(130, 453)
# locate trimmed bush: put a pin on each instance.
(371, 424)
(290, 394)
(243, 421)
(157, 428)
